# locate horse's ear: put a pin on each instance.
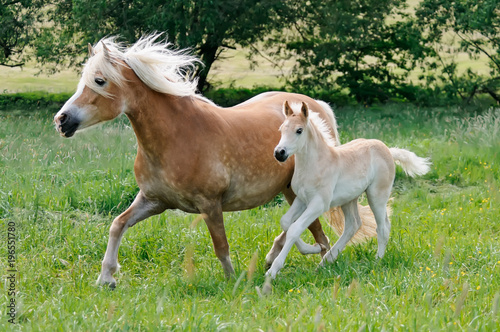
(91, 51)
(304, 109)
(287, 109)
(106, 51)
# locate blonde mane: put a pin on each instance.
(318, 123)
(160, 67)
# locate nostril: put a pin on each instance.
(63, 118)
(282, 152)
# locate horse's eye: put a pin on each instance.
(299, 131)
(99, 81)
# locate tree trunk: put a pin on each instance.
(208, 56)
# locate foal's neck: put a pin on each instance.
(315, 150)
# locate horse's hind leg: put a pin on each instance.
(140, 209)
(215, 224)
(352, 225)
(378, 198)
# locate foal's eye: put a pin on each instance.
(299, 131)
(99, 81)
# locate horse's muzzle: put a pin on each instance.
(66, 124)
(280, 154)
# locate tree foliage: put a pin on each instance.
(207, 26)
(475, 28)
(20, 21)
(368, 47)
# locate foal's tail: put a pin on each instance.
(412, 164)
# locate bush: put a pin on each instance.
(32, 100)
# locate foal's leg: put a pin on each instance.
(313, 211)
(295, 210)
(378, 198)
(140, 209)
(315, 228)
(351, 226)
(215, 223)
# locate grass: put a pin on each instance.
(440, 271)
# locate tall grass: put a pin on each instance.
(441, 270)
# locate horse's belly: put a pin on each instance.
(250, 193)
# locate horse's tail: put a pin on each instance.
(368, 229)
(412, 164)
(335, 216)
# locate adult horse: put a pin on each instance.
(192, 155)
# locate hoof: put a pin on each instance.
(106, 282)
(270, 275)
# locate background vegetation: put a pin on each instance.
(440, 271)
(429, 52)
(372, 57)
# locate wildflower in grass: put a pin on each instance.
(428, 268)
(290, 290)
(478, 287)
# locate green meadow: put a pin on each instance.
(441, 270)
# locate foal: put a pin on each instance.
(326, 176)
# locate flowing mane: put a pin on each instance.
(317, 122)
(160, 67)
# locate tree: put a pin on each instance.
(19, 24)
(206, 26)
(475, 26)
(367, 47)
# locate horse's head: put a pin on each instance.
(292, 130)
(100, 95)
(113, 74)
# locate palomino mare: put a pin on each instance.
(327, 176)
(192, 155)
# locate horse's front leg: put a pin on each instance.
(140, 209)
(215, 223)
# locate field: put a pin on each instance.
(441, 270)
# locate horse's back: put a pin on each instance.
(272, 101)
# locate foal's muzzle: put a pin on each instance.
(280, 154)
(66, 124)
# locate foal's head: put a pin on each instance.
(293, 130)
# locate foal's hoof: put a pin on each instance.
(106, 282)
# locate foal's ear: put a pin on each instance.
(304, 109)
(287, 109)
(91, 51)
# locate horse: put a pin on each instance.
(327, 175)
(192, 155)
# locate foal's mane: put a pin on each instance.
(322, 127)
(154, 61)
(315, 121)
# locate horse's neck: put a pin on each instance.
(160, 121)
